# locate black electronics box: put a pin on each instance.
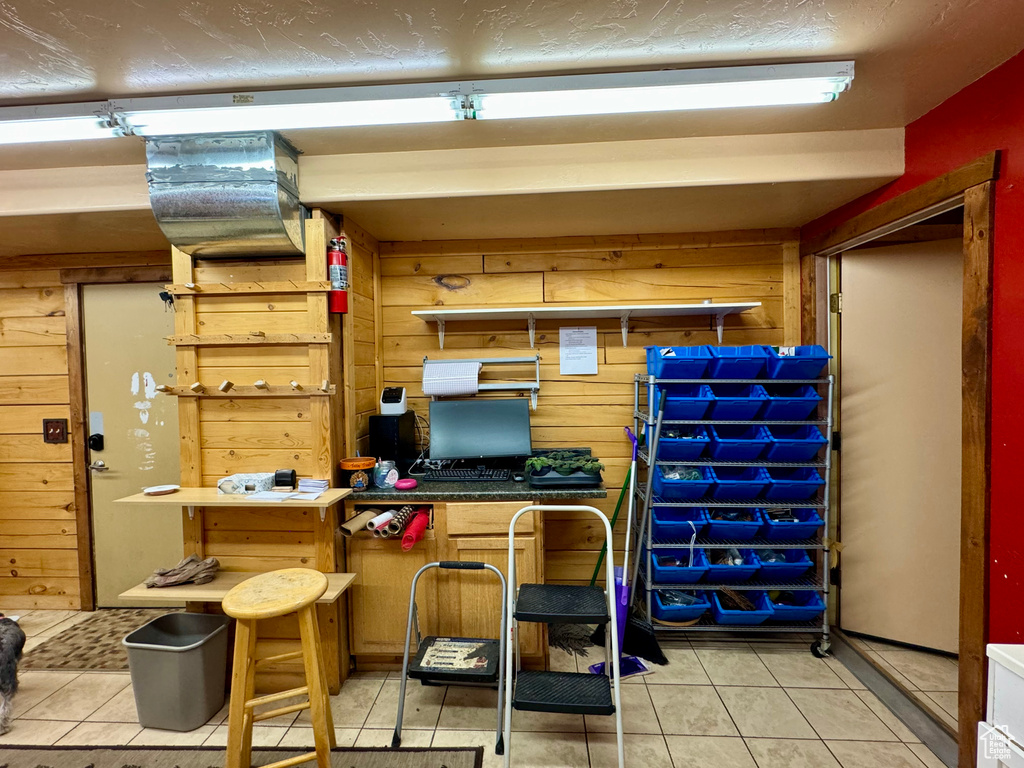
(393, 438)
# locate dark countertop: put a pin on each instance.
(505, 490)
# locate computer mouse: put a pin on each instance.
(518, 477)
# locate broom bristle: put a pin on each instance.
(734, 601)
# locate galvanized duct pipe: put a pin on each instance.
(227, 195)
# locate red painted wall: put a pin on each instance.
(986, 115)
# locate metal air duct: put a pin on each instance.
(227, 195)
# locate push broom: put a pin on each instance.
(636, 636)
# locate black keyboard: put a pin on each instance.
(467, 475)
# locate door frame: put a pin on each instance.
(971, 186)
(73, 279)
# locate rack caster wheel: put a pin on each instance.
(819, 649)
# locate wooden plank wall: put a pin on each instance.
(360, 331)
(38, 530)
(582, 410)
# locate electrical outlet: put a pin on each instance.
(55, 430)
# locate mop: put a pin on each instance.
(629, 666)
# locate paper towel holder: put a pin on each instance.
(533, 388)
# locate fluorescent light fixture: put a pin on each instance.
(618, 93)
(663, 91)
(57, 122)
(290, 110)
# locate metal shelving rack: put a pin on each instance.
(643, 527)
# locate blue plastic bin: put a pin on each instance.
(794, 443)
(680, 612)
(674, 522)
(737, 402)
(809, 607)
(739, 482)
(746, 362)
(800, 363)
(676, 448)
(732, 574)
(797, 484)
(810, 522)
(682, 489)
(678, 574)
(737, 442)
(678, 362)
(685, 401)
(743, 618)
(796, 565)
(790, 402)
(734, 530)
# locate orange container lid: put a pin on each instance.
(358, 462)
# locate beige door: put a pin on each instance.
(900, 461)
(126, 357)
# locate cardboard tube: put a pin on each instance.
(380, 521)
(414, 531)
(358, 523)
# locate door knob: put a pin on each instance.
(99, 466)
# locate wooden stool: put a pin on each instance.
(267, 596)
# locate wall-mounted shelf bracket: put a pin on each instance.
(440, 332)
(531, 324)
(624, 324)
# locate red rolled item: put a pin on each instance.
(414, 530)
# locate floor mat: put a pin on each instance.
(169, 757)
(92, 644)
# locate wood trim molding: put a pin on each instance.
(79, 430)
(150, 274)
(925, 196)
(979, 221)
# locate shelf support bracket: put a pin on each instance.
(720, 325)
(323, 514)
(624, 325)
(440, 331)
(531, 324)
(191, 512)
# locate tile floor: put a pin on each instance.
(717, 705)
(930, 677)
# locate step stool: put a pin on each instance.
(455, 660)
(562, 692)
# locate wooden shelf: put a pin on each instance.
(280, 390)
(229, 289)
(214, 591)
(199, 340)
(209, 497)
(622, 311)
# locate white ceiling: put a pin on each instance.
(910, 55)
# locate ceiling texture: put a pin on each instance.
(910, 55)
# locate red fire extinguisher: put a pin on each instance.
(337, 266)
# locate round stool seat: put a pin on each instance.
(275, 593)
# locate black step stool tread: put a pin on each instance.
(456, 660)
(572, 693)
(562, 603)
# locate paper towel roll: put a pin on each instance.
(380, 521)
(358, 523)
(451, 377)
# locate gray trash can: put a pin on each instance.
(178, 664)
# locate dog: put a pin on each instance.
(12, 642)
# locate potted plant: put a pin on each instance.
(565, 463)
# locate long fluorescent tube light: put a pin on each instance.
(56, 122)
(290, 110)
(617, 93)
(671, 90)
